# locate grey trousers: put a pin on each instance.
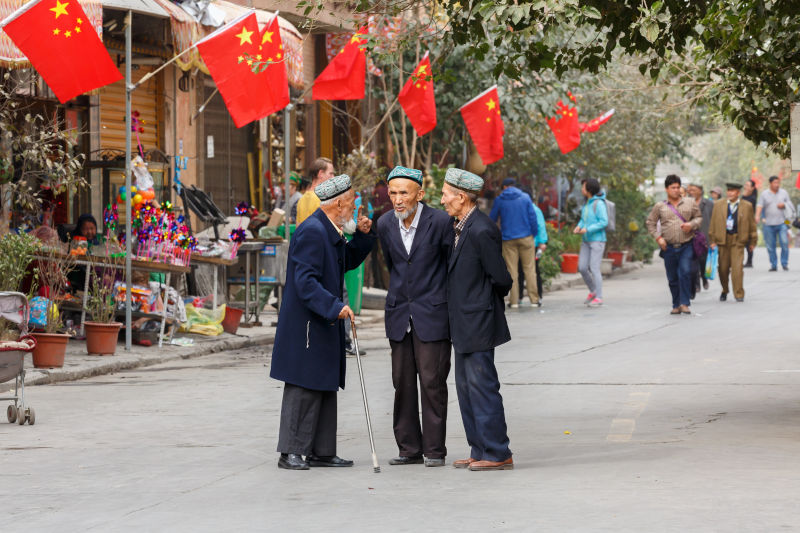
(589, 261)
(308, 422)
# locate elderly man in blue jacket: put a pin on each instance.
(416, 241)
(309, 351)
(519, 228)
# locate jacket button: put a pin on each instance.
(409, 261)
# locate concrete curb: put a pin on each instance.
(563, 282)
(78, 365)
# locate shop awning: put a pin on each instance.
(142, 7)
(185, 31)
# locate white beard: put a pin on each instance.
(407, 213)
(349, 226)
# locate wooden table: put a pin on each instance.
(119, 262)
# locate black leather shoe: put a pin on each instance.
(739, 299)
(723, 296)
(416, 460)
(292, 461)
(434, 461)
(334, 460)
(705, 284)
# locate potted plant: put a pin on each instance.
(54, 265)
(16, 253)
(572, 245)
(102, 331)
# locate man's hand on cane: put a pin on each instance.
(347, 313)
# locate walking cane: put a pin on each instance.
(375, 466)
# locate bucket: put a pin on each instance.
(233, 316)
(569, 263)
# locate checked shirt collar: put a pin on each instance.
(459, 226)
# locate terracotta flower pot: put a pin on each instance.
(617, 257)
(50, 350)
(101, 339)
(569, 263)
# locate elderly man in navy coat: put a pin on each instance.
(416, 240)
(477, 282)
(309, 352)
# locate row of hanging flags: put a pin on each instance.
(247, 65)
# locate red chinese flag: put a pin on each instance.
(230, 54)
(62, 46)
(277, 81)
(565, 127)
(594, 124)
(344, 77)
(485, 125)
(417, 99)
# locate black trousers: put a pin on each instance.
(412, 357)
(308, 422)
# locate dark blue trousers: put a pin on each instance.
(481, 406)
(678, 262)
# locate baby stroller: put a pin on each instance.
(14, 308)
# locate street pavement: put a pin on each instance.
(621, 418)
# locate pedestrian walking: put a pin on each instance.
(733, 227)
(416, 241)
(514, 209)
(309, 352)
(706, 205)
(774, 209)
(750, 193)
(592, 225)
(673, 223)
(477, 282)
(541, 246)
(320, 170)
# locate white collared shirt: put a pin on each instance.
(407, 234)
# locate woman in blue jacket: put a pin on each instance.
(594, 219)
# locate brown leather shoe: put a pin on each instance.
(508, 464)
(464, 463)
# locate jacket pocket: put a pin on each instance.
(476, 307)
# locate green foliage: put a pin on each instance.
(36, 153)
(570, 241)
(16, 253)
(54, 269)
(550, 262)
(738, 58)
(100, 304)
(631, 233)
(433, 186)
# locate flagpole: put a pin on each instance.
(287, 157)
(162, 67)
(128, 202)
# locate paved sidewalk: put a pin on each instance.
(78, 364)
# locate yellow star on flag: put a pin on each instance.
(67, 33)
(488, 119)
(280, 47)
(80, 21)
(419, 86)
(244, 36)
(249, 62)
(241, 58)
(491, 104)
(60, 9)
(56, 31)
(421, 69)
(267, 37)
(258, 56)
(77, 29)
(279, 55)
(355, 38)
